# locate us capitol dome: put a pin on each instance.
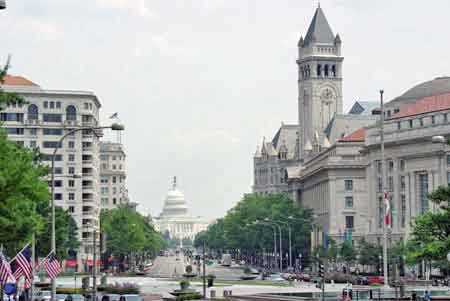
(175, 219)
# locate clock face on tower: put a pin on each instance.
(327, 109)
(327, 96)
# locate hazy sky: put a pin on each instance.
(199, 83)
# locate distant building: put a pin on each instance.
(48, 115)
(113, 189)
(175, 218)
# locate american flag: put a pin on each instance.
(21, 265)
(5, 270)
(52, 266)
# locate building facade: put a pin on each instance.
(113, 189)
(47, 116)
(175, 219)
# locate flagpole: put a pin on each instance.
(1, 284)
(19, 252)
(33, 262)
(383, 189)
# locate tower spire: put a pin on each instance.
(174, 185)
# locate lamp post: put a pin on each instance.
(280, 241)
(257, 222)
(290, 242)
(114, 127)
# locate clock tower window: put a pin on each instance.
(326, 70)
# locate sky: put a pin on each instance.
(199, 83)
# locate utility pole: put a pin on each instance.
(94, 266)
(204, 274)
(383, 189)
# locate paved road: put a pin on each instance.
(168, 267)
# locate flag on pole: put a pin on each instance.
(21, 264)
(388, 209)
(52, 266)
(5, 270)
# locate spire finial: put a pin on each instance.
(174, 185)
(318, 4)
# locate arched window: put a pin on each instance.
(33, 112)
(71, 113)
(333, 70)
(319, 70)
(326, 70)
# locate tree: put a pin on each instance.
(368, 253)
(347, 253)
(430, 235)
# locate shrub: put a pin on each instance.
(122, 288)
(192, 296)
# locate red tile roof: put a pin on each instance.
(12, 80)
(357, 136)
(425, 105)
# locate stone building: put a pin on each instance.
(47, 116)
(113, 189)
(175, 218)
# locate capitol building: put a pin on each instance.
(175, 218)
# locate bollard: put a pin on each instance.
(225, 293)
(230, 293)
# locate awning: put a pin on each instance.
(71, 263)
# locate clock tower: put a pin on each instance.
(319, 82)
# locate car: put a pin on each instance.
(130, 298)
(44, 296)
(61, 297)
(375, 279)
(110, 297)
(276, 278)
(78, 297)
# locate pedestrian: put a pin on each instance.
(414, 296)
(427, 296)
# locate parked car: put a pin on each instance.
(110, 297)
(130, 298)
(303, 277)
(375, 279)
(61, 297)
(78, 297)
(44, 296)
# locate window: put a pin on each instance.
(410, 123)
(71, 144)
(71, 209)
(402, 183)
(399, 125)
(71, 113)
(403, 211)
(421, 121)
(114, 158)
(391, 183)
(33, 131)
(104, 180)
(86, 106)
(33, 112)
(105, 202)
(445, 118)
(18, 117)
(114, 167)
(57, 183)
(423, 192)
(71, 170)
(58, 105)
(103, 157)
(120, 166)
(348, 202)
(52, 132)
(52, 104)
(52, 117)
(71, 196)
(71, 183)
(46, 104)
(105, 166)
(104, 190)
(349, 222)
(32, 143)
(114, 179)
(58, 170)
(402, 165)
(391, 166)
(319, 70)
(58, 196)
(71, 157)
(114, 201)
(379, 166)
(51, 144)
(380, 212)
(348, 185)
(114, 190)
(433, 120)
(15, 131)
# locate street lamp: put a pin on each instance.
(2, 4)
(267, 220)
(290, 242)
(114, 127)
(257, 222)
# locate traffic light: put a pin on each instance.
(321, 271)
